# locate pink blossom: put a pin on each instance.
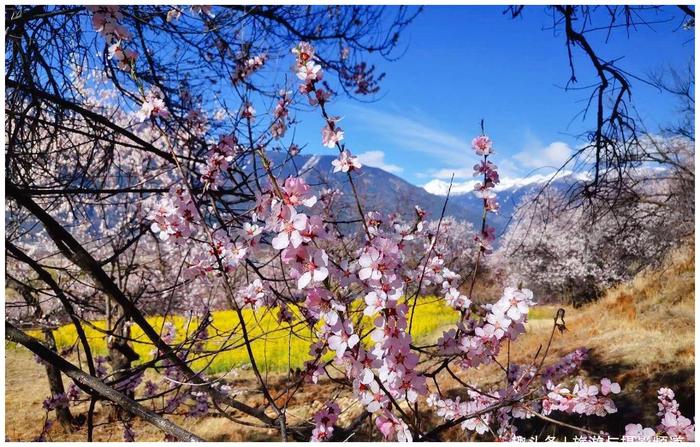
(370, 395)
(321, 97)
(448, 343)
(290, 232)
(482, 145)
(152, 107)
(105, 20)
(315, 269)
(346, 162)
(309, 71)
(392, 428)
(673, 423)
(484, 191)
(249, 66)
(485, 238)
(324, 422)
(488, 169)
(486, 333)
(375, 300)
(203, 9)
(297, 192)
(515, 303)
(370, 264)
(248, 111)
(253, 295)
(635, 432)
(125, 58)
(250, 231)
(491, 205)
(607, 387)
(173, 15)
(315, 229)
(278, 129)
(677, 425)
(321, 304)
(331, 134)
(343, 339)
(499, 321)
(456, 299)
(304, 52)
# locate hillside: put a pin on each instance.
(378, 189)
(389, 193)
(640, 334)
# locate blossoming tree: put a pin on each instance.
(144, 191)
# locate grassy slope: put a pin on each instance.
(641, 334)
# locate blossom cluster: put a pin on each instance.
(106, 21)
(247, 66)
(175, 216)
(219, 159)
(478, 341)
(153, 106)
(673, 424)
(346, 162)
(281, 114)
(393, 428)
(450, 410)
(310, 73)
(483, 146)
(59, 400)
(566, 366)
(328, 278)
(582, 399)
(325, 422)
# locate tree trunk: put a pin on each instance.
(120, 357)
(63, 414)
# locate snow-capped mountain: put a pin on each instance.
(510, 192)
(388, 193)
(378, 189)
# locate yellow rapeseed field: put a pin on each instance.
(274, 345)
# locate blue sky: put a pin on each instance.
(466, 63)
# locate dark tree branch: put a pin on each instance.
(16, 336)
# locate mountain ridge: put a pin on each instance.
(388, 193)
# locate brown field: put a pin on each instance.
(641, 334)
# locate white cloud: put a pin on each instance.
(440, 187)
(536, 155)
(376, 159)
(411, 134)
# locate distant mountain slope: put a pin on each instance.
(389, 193)
(378, 189)
(511, 193)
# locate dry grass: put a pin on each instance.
(26, 387)
(647, 323)
(641, 334)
